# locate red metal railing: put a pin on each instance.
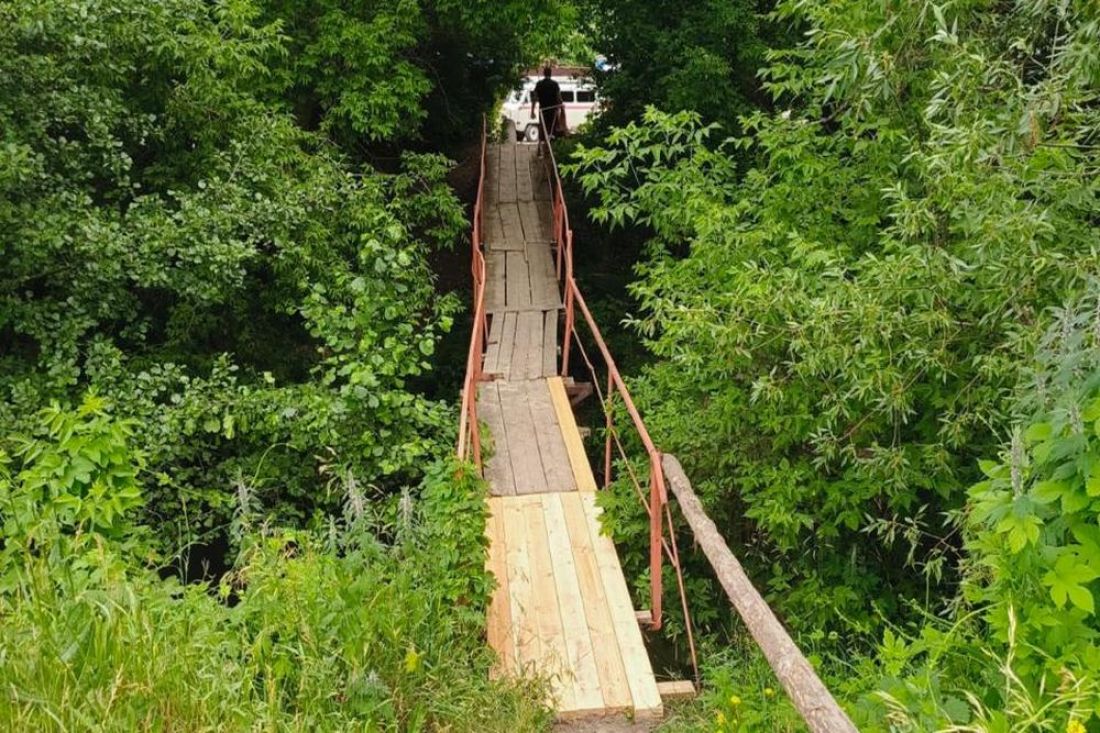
(469, 432)
(662, 537)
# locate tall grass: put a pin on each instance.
(314, 641)
(325, 630)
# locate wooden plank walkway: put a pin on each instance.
(562, 608)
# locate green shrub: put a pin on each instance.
(331, 630)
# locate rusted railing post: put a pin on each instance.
(656, 507)
(559, 240)
(610, 425)
(566, 339)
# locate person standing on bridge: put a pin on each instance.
(547, 95)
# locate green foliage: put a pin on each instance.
(839, 322)
(333, 631)
(741, 695)
(188, 234)
(696, 56)
(221, 275)
(399, 70)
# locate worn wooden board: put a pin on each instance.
(490, 361)
(523, 448)
(495, 238)
(511, 227)
(507, 342)
(540, 180)
(580, 656)
(544, 286)
(524, 187)
(507, 185)
(555, 458)
(498, 468)
(535, 227)
(517, 281)
(550, 343)
(495, 281)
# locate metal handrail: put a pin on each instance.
(656, 505)
(469, 431)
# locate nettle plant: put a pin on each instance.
(67, 490)
(1034, 523)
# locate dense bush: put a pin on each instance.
(324, 630)
(699, 56)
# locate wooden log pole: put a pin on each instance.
(810, 696)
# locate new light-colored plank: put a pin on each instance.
(676, 689)
(498, 469)
(555, 458)
(523, 449)
(580, 654)
(525, 636)
(499, 617)
(578, 460)
(550, 344)
(639, 671)
(601, 627)
(517, 281)
(554, 659)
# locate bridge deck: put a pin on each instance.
(562, 607)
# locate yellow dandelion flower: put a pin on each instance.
(769, 692)
(1075, 726)
(735, 700)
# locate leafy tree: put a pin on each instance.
(679, 56)
(224, 276)
(839, 322)
(399, 70)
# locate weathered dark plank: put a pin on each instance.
(490, 363)
(550, 343)
(555, 459)
(498, 469)
(524, 191)
(495, 281)
(507, 342)
(517, 282)
(523, 449)
(507, 184)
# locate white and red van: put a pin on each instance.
(578, 95)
